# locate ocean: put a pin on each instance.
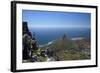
(44, 36)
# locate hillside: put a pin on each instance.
(66, 49)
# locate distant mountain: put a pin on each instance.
(62, 43)
(65, 48)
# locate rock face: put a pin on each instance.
(29, 43)
(26, 30)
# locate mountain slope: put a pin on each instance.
(66, 49)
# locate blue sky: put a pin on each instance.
(51, 19)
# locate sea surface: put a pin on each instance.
(44, 36)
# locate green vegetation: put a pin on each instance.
(66, 49)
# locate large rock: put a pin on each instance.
(29, 43)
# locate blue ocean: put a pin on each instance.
(44, 36)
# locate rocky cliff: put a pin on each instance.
(29, 43)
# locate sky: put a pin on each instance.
(52, 19)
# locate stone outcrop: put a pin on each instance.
(29, 43)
